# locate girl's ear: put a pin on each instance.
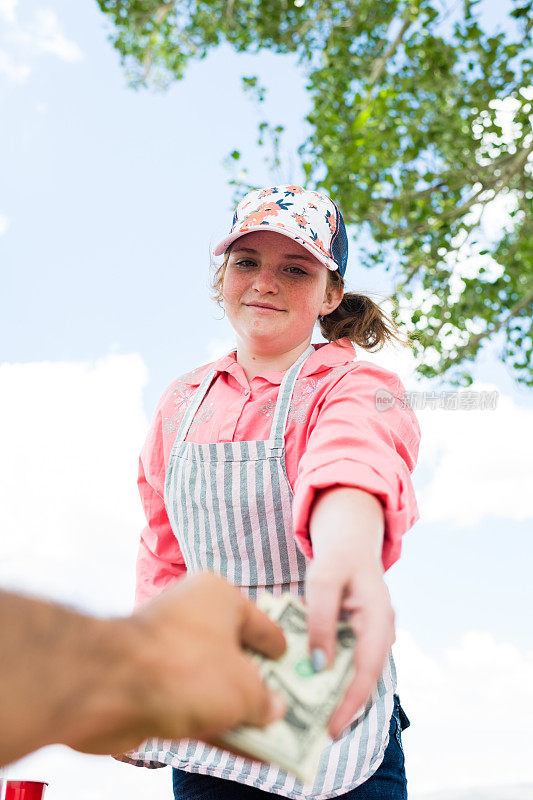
(333, 298)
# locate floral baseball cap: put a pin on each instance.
(309, 218)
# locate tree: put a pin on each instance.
(420, 124)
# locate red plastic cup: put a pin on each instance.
(25, 790)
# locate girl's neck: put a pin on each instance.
(254, 364)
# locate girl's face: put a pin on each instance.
(267, 267)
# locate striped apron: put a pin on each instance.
(230, 507)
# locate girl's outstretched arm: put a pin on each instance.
(346, 574)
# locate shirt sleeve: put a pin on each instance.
(159, 560)
(356, 440)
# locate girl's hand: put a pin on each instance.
(346, 575)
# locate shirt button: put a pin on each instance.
(246, 391)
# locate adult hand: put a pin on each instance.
(200, 673)
(346, 575)
(193, 678)
(175, 669)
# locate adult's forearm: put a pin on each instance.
(64, 677)
(176, 668)
(352, 514)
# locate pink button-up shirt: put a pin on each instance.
(336, 434)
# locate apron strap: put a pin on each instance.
(276, 440)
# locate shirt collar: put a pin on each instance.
(327, 354)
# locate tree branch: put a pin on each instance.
(518, 307)
(158, 15)
(494, 184)
(162, 12)
(508, 163)
(412, 272)
(410, 275)
(381, 62)
(148, 60)
(229, 9)
(473, 342)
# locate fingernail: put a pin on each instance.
(318, 659)
(278, 706)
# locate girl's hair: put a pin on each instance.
(357, 317)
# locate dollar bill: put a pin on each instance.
(296, 742)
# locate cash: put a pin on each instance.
(297, 741)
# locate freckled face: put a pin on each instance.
(267, 267)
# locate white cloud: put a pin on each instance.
(22, 43)
(69, 511)
(7, 10)
(70, 518)
(48, 37)
(4, 221)
(478, 460)
(14, 71)
(470, 705)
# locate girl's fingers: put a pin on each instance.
(356, 696)
(323, 598)
(371, 651)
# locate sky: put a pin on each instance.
(110, 200)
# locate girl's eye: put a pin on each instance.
(246, 262)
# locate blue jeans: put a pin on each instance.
(387, 783)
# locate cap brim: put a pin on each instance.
(223, 245)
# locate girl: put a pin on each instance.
(280, 467)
